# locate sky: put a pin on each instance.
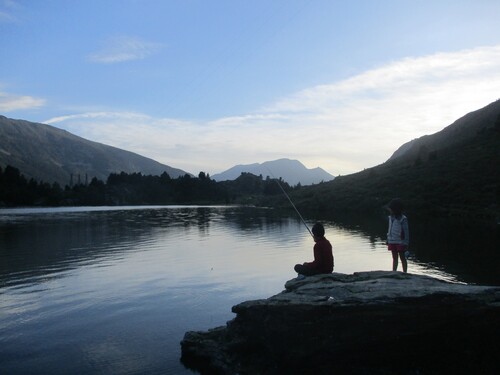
(206, 85)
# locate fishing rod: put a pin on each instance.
(295, 208)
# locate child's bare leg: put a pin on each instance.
(404, 262)
(394, 260)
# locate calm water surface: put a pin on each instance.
(113, 290)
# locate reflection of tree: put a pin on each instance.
(45, 245)
(204, 215)
(457, 247)
(248, 219)
(460, 247)
(56, 242)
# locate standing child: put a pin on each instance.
(398, 235)
(323, 255)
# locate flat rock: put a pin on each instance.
(369, 322)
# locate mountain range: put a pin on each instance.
(452, 173)
(46, 153)
(291, 171)
(49, 154)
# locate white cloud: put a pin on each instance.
(420, 77)
(6, 17)
(11, 102)
(8, 9)
(124, 48)
(342, 127)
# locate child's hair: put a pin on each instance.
(396, 205)
(318, 230)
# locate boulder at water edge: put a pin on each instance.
(365, 323)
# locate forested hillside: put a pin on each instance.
(454, 173)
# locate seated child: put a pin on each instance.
(323, 256)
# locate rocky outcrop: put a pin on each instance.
(365, 323)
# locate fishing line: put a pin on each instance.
(295, 208)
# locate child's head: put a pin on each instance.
(318, 230)
(396, 206)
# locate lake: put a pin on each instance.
(113, 289)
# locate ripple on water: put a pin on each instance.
(114, 290)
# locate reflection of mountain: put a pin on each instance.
(49, 154)
(35, 248)
(36, 245)
(39, 246)
(260, 219)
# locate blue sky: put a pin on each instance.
(205, 85)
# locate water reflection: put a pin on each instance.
(114, 289)
(461, 251)
(41, 243)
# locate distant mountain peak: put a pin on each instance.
(291, 171)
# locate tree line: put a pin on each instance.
(136, 189)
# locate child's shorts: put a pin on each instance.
(396, 247)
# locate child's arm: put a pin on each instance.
(406, 231)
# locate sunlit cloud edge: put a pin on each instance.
(344, 126)
(123, 48)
